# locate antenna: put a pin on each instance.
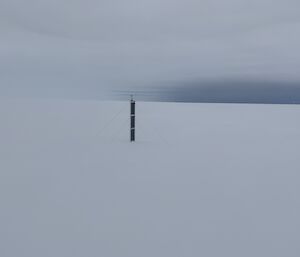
(132, 119)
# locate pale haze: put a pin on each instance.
(85, 49)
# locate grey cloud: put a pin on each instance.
(75, 48)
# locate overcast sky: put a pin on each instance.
(79, 48)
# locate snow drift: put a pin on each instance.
(201, 180)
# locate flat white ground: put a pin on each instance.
(201, 180)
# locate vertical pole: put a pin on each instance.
(132, 120)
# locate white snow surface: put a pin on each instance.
(201, 180)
